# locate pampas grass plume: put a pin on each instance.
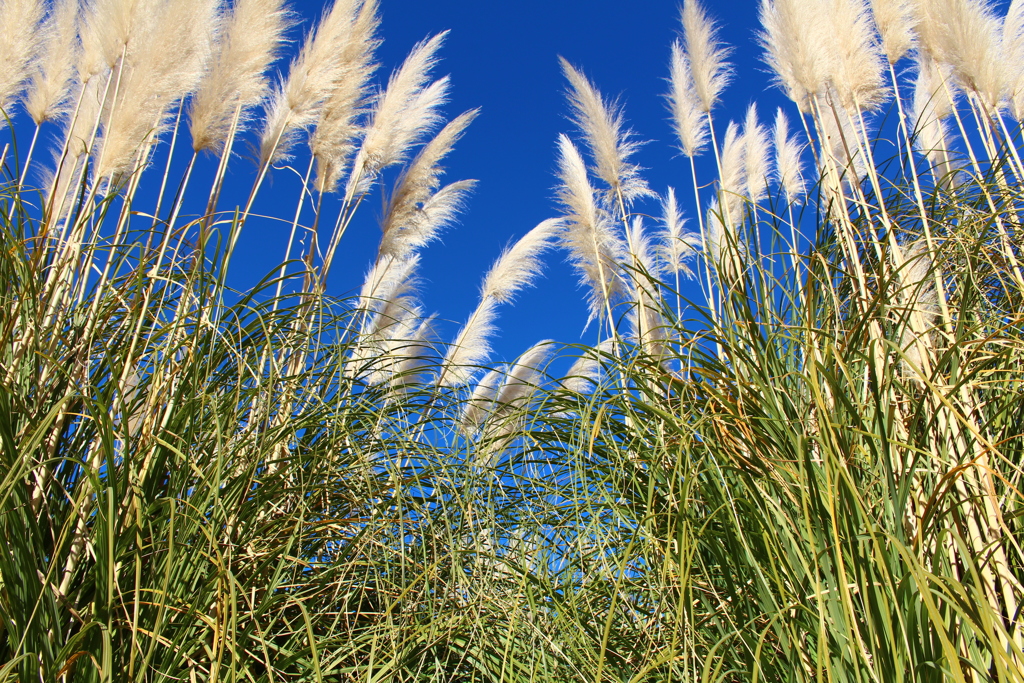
(757, 164)
(471, 347)
(688, 121)
(602, 126)
(678, 245)
(413, 216)
(711, 73)
(788, 167)
(593, 247)
(51, 74)
(895, 25)
(794, 47)
(405, 112)
(19, 43)
(236, 80)
(854, 61)
(520, 265)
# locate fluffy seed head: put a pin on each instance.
(794, 47)
(471, 347)
(895, 25)
(236, 81)
(51, 74)
(757, 164)
(417, 210)
(688, 120)
(593, 247)
(788, 168)
(519, 266)
(405, 112)
(19, 43)
(678, 246)
(711, 73)
(610, 145)
(854, 62)
(1013, 56)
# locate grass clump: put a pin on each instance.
(812, 473)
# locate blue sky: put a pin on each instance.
(503, 58)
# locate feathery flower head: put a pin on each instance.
(757, 165)
(610, 145)
(678, 246)
(593, 246)
(854, 62)
(688, 120)
(236, 81)
(519, 266)
(19, 43)
(895, 24)
(51, 74)
(794, 47)
(710, 72)
(788, 167)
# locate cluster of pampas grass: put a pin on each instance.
(813, 474)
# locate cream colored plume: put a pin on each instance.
(588, 370)
(471, 347)
(113, 30)
(333, 140)
(922, 303)
(854, 62)
(19, 44)
(788, 167)
(405, 112)
(895, 24)
(967, 36)
(710, 72)
(1013, 56)
(520, 265)
(312, 78)
(678, 245)
(481, 401)
(593, 246)
(236, 80)
(51, 74)
(610, 145)
(688, 121)
(732, 182)
(756, 161)
(389, 279)
(170, 54)
(410, 221)
(794, 47)
(931, 107)
(525, 376)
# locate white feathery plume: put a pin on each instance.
(788, 167)
(236, 81)
(895, 25)
(711, 73)
(922, 300)
(401, 348)
(419, 227)
(840, 142)
(19, 44)
(405, 112)
(715, 236)
(312, 78)
(170, 54)
(412, 355)
(593, 247)
(794, 47)
(481, 401)
(610, 146)
(1013, 57)
(967, 36)
(407, 224)
(112, 29)
(471, 347)
(526, 375)
(931, 106)
(587, 371)
(50, 82)
(519, 265)
(643, 253)
(732, 182)
(333, 140)
(678, 245)
(688, 121)
(388, 280)
(756, 161)
(855, 64)
(648, 327)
